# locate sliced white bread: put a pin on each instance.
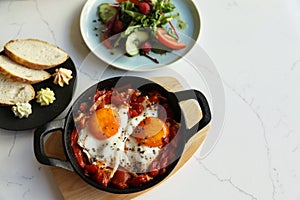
(20, 73)
(12, 92)
(34, 53)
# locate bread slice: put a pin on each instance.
(20, 73)
(34, 53)
(12, 92)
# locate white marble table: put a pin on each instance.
(255, 47)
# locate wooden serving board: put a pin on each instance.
(73, 187)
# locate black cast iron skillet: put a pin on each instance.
(67, 125)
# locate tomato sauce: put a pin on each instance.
(121, 178)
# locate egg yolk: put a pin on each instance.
(104, 123)
(151, 132)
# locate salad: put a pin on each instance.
(141, 26)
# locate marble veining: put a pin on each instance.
(13, 145)
(255, 46)
(295, 65)
(226, 180)
(263, 129)
(45, 21)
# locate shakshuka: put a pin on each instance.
(123, 138)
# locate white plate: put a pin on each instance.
(90, 29)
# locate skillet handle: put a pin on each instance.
(39, 136)
(202, 101)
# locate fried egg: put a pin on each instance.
(115, 140)
(144, 144)
(103, 137)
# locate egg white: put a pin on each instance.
(121, 149)
(149, 111)
(109, 151)
(139, 157)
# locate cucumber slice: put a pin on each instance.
(106, 12)
(134, 41)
